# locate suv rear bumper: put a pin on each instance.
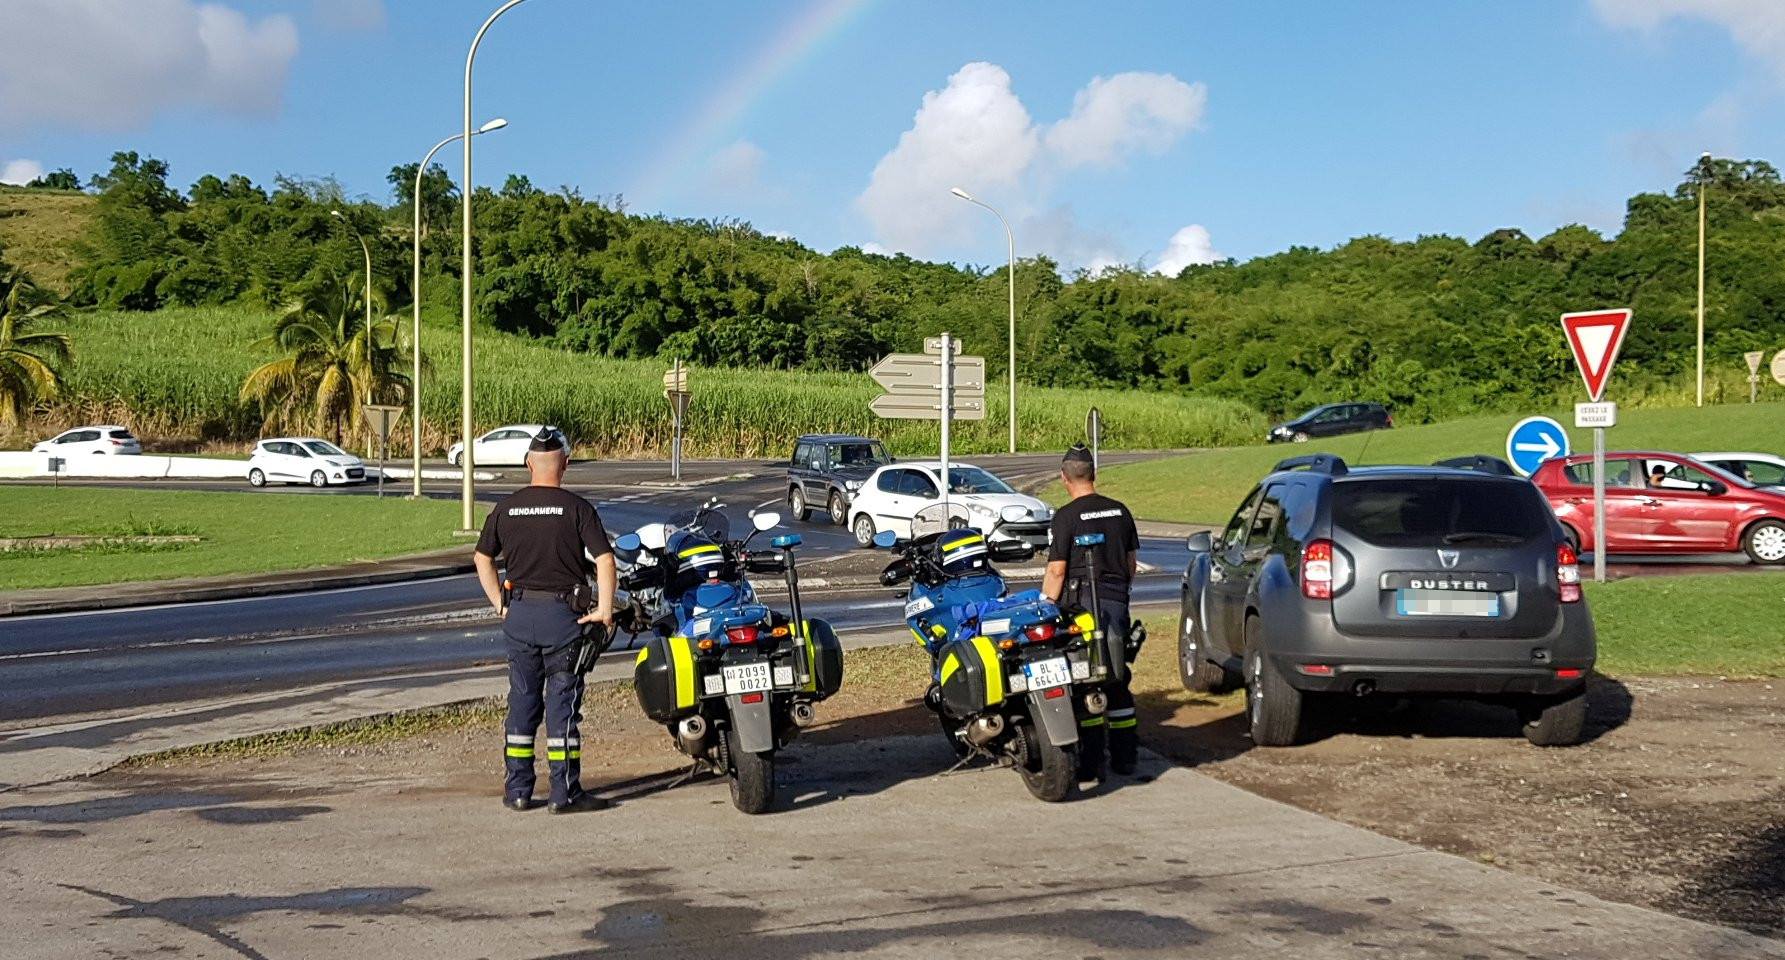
(1480, 666)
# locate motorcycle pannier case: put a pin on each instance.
(820, 657)
(970, 675)
(666, 680)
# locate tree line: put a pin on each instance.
(1434, 327)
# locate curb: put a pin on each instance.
(155, 593)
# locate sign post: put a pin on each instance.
(675, 390)
(1753, 357)
(938, 384)
(1094, 432)
(1594, 337)
(381, 418)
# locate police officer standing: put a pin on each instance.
(1068, 577)
(546, 536)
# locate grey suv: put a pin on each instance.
(826, 471)
(1453, 579)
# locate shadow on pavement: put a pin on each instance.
(1746, 884)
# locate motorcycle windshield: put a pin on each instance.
(711, 524)
(939, 517)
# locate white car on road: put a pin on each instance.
(1760, 469)
(104, 439)
(310, 460)
(501, 447)
(893, 494)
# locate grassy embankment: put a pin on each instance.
(173, 376)
(38, 231)
(1205, 487)
(239, 533)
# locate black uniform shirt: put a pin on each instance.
(1096, 513)
(542, 532)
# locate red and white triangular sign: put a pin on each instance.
(1595, 336)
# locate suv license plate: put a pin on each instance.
(748, 678)
(1446, 603)
(1047, 674)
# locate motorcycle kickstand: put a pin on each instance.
(693, 771)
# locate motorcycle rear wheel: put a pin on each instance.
(1050, 772)
(752, 776)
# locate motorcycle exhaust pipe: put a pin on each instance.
(1096, 702)
(803, 714)
(984, 730)
(692, 730)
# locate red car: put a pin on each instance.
(1665, 503)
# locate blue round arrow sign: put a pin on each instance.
(1534, 440)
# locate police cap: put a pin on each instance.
(1078, 453)
(548, 440)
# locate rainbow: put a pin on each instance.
(797, 40)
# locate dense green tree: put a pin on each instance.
(331, 362)
(62, 179)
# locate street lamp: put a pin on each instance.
(467, 462)
(1704, 176)
(1011, 239)
(415, 296)
(338, 215)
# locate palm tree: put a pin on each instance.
(29, 362)
(333, 361)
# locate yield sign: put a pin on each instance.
(1595, 336)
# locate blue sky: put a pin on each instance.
(1239, 128)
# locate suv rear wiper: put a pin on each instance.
(1464, 536)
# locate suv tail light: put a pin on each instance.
(1568, 573)
(1317, 570)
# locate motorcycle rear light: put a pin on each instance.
(751, 698)
(1317, 570)
(781, 631)
(706, 644)
(741, 634)
(1568, 573)
(1008, 643)
(1570, 673)
(1316, 669)
(1055, 693)
(1040, 631)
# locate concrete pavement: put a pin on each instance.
(877, 856)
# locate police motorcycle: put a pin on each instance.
(730, 678)
(1012, 674)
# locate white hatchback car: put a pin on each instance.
(318, 463)
(105, 439)
(1760, 469)
(501, 447)
(893, 494)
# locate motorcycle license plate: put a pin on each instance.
(1047, 674)
(748, 678)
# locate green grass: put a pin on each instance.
(1206, 487)
(174, 374)
(38, 229)
(1715, 624)
(242, 532)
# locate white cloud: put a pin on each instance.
(735, 168)
(350, 15)
(876, 249)
(1757, 26)
(976, 133)
(1190, 246)
(107, 66)
(20, 172)
(1127, 113)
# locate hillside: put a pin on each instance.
(38, 229)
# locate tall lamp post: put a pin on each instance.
(1011, 239)
(415, 297)
(468, 486)
(1704, 178)
(338, 215)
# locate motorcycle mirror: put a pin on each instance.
(628, 542)
(1013, 514)
(653, 536)
(764, 522)
(1201, 542)
(885, 538)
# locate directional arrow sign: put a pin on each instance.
(904, 406)
(914, 373)
(1534, 440)
(1595, 337)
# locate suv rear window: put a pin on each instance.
(1435, 511)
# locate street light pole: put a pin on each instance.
(415, 298)
(1704, 172)
(338, 215)
(1010, 239)
(467, 462)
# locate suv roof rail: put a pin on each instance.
(1315, 463)
(1480, 463)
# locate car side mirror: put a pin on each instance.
(1716, 488)
(1201, 542)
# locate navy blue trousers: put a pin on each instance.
(1116, 729)
(541, 686)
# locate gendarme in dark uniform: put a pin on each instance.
(1068, 579)
(545, 536)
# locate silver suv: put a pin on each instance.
(1451, 580)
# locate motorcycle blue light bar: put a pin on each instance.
(1087, 539)
(787, 540)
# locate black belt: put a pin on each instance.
(537, 593)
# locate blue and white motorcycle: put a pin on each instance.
(732, 679)
(1011, 675)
